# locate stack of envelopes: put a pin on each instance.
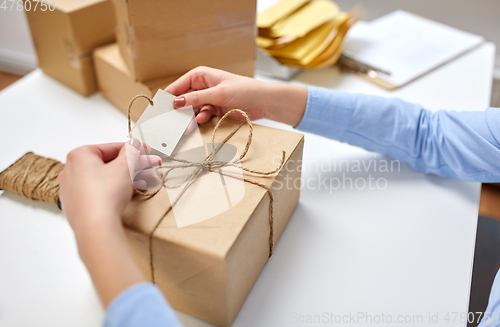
(305, 34)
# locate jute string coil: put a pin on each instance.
(35, 177)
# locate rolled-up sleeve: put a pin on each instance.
(491, 316)
(458, 145)
(141, 305)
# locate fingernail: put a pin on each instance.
(179, 102)
(135, 143)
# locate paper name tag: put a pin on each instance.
(161, 126)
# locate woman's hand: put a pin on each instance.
(214, 92)
(96, 181)
(95, 187)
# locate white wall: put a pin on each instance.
(477, 16)
(17, 54)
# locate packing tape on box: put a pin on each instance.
(165, 30)
(74, 55)
(223, 36)
(223, 41)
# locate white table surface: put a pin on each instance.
(404, 250)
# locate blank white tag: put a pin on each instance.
(161, 126)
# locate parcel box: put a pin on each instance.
(118, 86)
(65, 37)
(161, 38)
(208, 268)
(116, 83)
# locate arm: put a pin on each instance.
(455, 145)
(95, 187)
(458, 145)
(140, 305)
(492, 313)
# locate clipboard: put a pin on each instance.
(364, 71)
(398, 48)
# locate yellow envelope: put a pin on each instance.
(330, 55)
(334, 51)
(309, 47)
(277, 12)
(273, 43)
(303, 21)
(265, 42)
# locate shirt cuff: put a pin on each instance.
(328, 112)
(141, 304)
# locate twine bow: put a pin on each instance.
(211, 165)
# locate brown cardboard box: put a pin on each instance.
(118, 86)
(208, 269)
(167, 37)
(169, 18)
(64, 39)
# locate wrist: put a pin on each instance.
(286, 103)
(97, 231)
(93, 247)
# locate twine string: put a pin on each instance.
(130, 107)
(33, 177)
(212, 166)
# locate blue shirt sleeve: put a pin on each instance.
(491, 316)
(141, 305)
(457, 145)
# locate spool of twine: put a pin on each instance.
(33, 177)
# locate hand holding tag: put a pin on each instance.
(185, 162)
(161, 126)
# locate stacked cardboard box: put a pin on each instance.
(65, 36)
(161, 38)
(118, 86)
